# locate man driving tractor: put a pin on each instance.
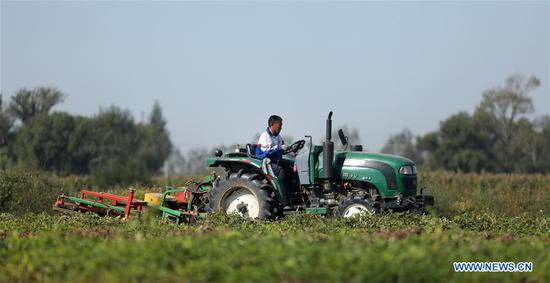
(271, 145)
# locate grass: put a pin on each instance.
(301, 248)
(477, 217)
(508, 194)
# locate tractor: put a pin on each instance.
(324, 181)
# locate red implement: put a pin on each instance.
(102, 203)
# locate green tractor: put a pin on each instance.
(324, 181)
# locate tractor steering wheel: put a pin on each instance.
(295, 147)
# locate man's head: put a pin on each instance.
(275, 124)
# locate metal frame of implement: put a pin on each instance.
(177, 204)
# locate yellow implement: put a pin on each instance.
(153, 198)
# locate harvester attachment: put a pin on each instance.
(101, 203)
(177, 204)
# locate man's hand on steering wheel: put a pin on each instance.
(295, 147)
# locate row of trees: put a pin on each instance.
(499, 136)
(110, 146)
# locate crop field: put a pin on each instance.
(476, 218)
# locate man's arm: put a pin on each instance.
(265, 147)
(283, 144)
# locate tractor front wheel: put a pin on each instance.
(357, 206)
(244, 194)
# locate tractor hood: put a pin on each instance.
(381, 170)
(358, 159)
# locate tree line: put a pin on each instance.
(110, 146)
(500, 136)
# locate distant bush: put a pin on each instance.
(502, 194)
(23, 191)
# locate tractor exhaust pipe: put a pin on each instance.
(328, 150)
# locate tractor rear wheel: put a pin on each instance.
(245, 194)
(357, 206)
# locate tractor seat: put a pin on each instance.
(251, 149)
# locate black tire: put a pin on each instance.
(350, 206)
(247, 183)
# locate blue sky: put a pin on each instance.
(219, 69)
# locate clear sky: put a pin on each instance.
(219, 69)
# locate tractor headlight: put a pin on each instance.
(408, 170)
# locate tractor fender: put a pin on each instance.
(234, 165)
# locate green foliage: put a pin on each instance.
(455, 193)
(299, 248)
(30, 191)
(26, 104)
(5, 160)
(477, 217)
(504, 194)
(503, 107)
(540, 155)
(459, 144)
(123, 152)
(155, 145)
(498, 137)
(44, 140)
(110, 147)
(115, 141)
(22, 191)
(6, 124)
